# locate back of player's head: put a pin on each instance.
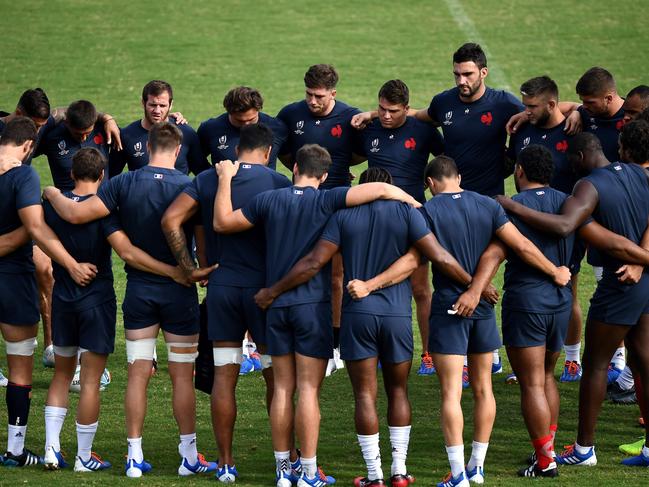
(375, 175)
(18, 131)
(255, 136)
(634, 140)
(156, 88)
(88, 164)
(321, 76)
(395, 91)
(644, 115)
(164, 137)
(585, 143)
(536, 161)
(595, 82)
(81, 114)
(470, 52)
(440, 168)
(641, 91)
(34, 104)
(540, 86)
(312, 160)
(241, 99)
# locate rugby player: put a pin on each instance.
(151, 302)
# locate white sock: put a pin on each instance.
(187, 448)
(399, 440)
(371, 454)
(619, 358)
(282, 461)
(573, 352)
(645, 451)
(582, 450)
(135, 449)
(625, 379)
(16, 439)
(244, 346)
(54, 418)
(310, 467)
(466, 361)
(85, 437)
(496, 357)
(456, 459)
(478, 454)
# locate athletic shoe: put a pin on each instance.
(535, 471)
(400, 480)
(247, 366)
(201, 466)
(450, 481)
(320, 480)
(497, 368)
(571, 372)
(296, 470)
(227, 474)
(426, 367)
(93, 464)
(26, 459)
(284, 479)
(617, 395)
(637, 461)
(340, 363)
(511, 379)
(531, 460)
(135, 470)
(3, 380)
(570, 456)
(255, 358)
(53, 460)
(476, 476)
(465, 377)
(613, 373)
(632, 449)
(365, 482)
(331, 367)
(48, 356)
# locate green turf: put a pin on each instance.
(106, 52)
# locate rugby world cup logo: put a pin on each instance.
(375, 146)
(223, 142)
(62, 150)
(137, 147)
(448, 117)
(298, 127)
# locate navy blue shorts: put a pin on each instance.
(92, 329)
(524, 329)
(171, 305)
(387, 337)
(19, 299)
(302, 328)
(456, 335)
(619, 304)
(231, 311)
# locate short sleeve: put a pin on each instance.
(28, 188)
(110, 224)
(196, 160)
(109, 192)
(499, 216)
(255, 210)
(432, 108)
(331, 232)
(116, 162)
(191, 190)
(436, 142)
(424, 214)
(280, 133)
(336, 199)
(280, 181)
(358, 143)
(511, 150)
(417, 228)
(204, 138)
(514, 104)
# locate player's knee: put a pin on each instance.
(24, 348)
(141, 349)
(65, 351)
(227, 356)
(182, 352)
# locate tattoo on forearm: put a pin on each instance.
(178, 245)
(384, 285)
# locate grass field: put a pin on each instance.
(106, 52)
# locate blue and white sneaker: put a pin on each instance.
(296, 470)
(53, 460)
(450, 481)
(135, 470)
(320, 480)
(571, 456)
(497, 368)
(93, 464)
(637, 461)
(571, 371)
(285, 478)
(613, 373)
(511, 379)
(247, 366)
(3, 380)
(465, 377)
(227, 474)
(26, 459)
(201, 466)
(476, 475)
(426, 367)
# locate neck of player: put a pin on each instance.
(476, 96)
(83, 187)
(163, 159)
(555, 118)
(258, 156)
(615, 105)
(525, 185)
(302, 181)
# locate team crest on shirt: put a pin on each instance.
(410, 143)
(75, 198)
(245, 166)
(298, 191)
(593, 125)
(223, 142)
(336, 131)
(562, 146)
(487, 118)
(619, 124)
(456, 196)
(62, 148)
(540, 193)
(157, 175)
(466, 111)
(298, 128)
(137, 147)
(448, 117)
(526, 141)
(375, 146)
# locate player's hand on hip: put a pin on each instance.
(112, 134)
(180, 120)
(490, 294)
(83, 273)
(515, 122)
(358, 289)
(181, 277)
(200, 275)
(360, 120)
(264, 298)
(466, 303)
(227, 168)
(573, 123)
(562, 276)
(629, 274)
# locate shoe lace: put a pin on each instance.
(201, 459)
(321, 474)
(427, 360)
(465, 373)
(448, 477)
(573, 368)
(568, 450)
(94, 455)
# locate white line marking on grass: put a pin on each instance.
(468, 27)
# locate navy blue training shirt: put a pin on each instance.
(333, 132)
(140, 199)
(59, 146)
(606, 129)
(371, 237)
(475, 135)
(20, 188)
(556, 141)
(86, 243)
(49, 125)
(293, 219)
(219, 137)
(526, 288)
(464, 223)
(134, 153)
(402, 151)
(241, 256)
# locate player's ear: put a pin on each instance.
(178, 150)
(267, 153)
(333, 93)
(295, 170)
(323, 178)
(484, 72)
(459, 179)
(430, 184)
(552, 104)
(101, 175)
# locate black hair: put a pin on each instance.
(471, 52)
(441, 167)
(537, 163)
(88, 164)
(375, 175)
(312, 160)
(635, 141)
(255, 136)
(81, 114)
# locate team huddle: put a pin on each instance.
(315, 268)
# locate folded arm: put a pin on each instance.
(12, 241)
(75, 212)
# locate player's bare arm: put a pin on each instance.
(176, 215)
(13, 240)
(398, 271)
(225, 219)
(75, 212)
(368, 192)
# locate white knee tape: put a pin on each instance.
(141, 349)
(25, 347)
(598, 272)
(227, 356)
(65, 351)
(181, 352)
(266, 361)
